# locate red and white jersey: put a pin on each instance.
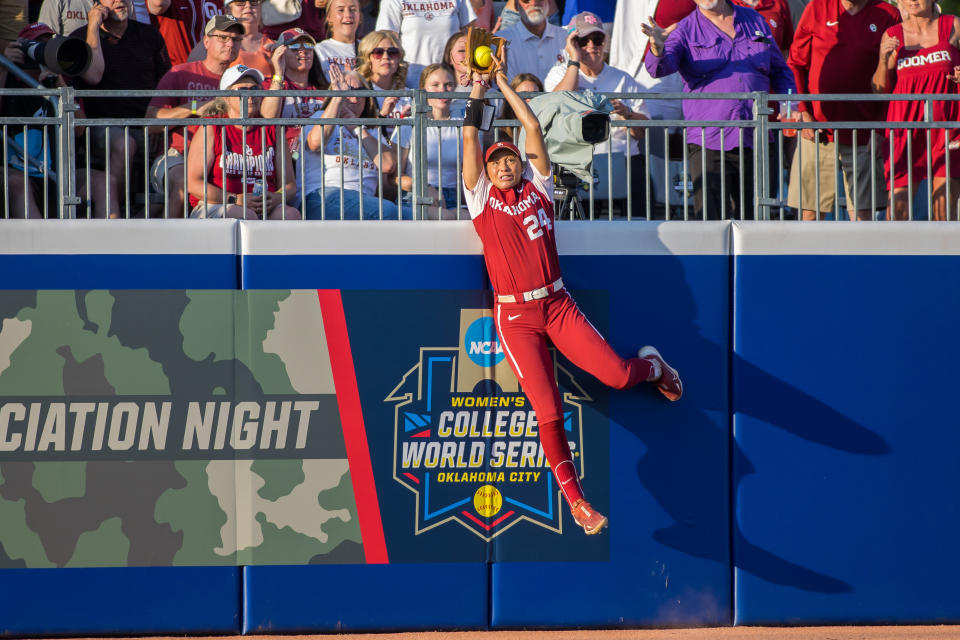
(517, 230)
(231, 152)
(181, 25)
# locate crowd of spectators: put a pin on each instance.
(641, 47)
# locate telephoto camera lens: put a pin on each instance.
(65, 56)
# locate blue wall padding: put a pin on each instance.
(845, 468)
(121, 600)
(171, 271)
(667, 498)
(351, 598)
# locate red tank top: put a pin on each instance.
(259, 154)
(517, 230)
(925, 71)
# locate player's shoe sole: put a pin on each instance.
(669, 382)
(587, 517)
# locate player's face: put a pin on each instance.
(504, 169)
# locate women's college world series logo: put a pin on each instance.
(466, 440)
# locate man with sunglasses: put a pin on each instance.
(585, 69)
(535, 44)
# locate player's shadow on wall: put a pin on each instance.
(686, 440)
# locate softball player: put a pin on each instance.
(511, 204)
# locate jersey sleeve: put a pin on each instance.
(542, 183)
(477, 197)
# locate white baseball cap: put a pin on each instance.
(232, 75)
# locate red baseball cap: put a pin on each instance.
(496, 146)
(34, 31)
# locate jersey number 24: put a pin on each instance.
(535, 224)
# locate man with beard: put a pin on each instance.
(535, 44)
(720, 48)
(126, 54)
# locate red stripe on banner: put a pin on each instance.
(422, 434)
(502, 518)
(412, 477)
(354, 431)
(477, 520)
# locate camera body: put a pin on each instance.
(64, 56)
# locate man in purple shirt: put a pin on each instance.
(720, 48)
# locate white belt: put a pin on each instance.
(536, 294)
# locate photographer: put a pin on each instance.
(25, 205)
(511, 204)
(585, 69)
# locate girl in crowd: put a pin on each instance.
(521, 83)
(382, 67)
(218, 153)
(921, 55)
(294, 69)
(455, 55)
(442, 147)
(424, 29)
(340, 47)
(333, 172)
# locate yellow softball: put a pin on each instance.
(483, 56)
(487, 500)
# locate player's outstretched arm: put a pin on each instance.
(535, 148)
(472, 147)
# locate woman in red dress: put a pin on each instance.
(921, 55)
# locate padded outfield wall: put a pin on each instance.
(226, 427)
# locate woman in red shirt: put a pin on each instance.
(234, 171)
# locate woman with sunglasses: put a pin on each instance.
(586, 69)
(233, 170)
(294, 69)
(382, 67)
(340, 47)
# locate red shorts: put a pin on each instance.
(524, 328)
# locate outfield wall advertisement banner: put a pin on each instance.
(218, 427)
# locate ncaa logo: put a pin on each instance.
(482, 344)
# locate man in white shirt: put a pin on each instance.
(534, 45)
(585, 69)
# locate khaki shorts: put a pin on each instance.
(807, 153)
(159, 168)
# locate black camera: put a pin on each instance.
(65, 56)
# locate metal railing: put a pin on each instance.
(103, 166)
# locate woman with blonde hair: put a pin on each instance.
(340, 47)
(382, 67)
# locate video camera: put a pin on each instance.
(64, 56)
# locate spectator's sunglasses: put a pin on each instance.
(298, 46)
(252, 3)
(596, 38)
(379, 52)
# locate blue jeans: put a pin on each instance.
(351, 206)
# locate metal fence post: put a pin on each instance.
(419, 153)
(66, 161)
(761, 160)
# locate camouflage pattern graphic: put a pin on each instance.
(82, 487)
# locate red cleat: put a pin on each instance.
(587, 517)
(669, 381)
